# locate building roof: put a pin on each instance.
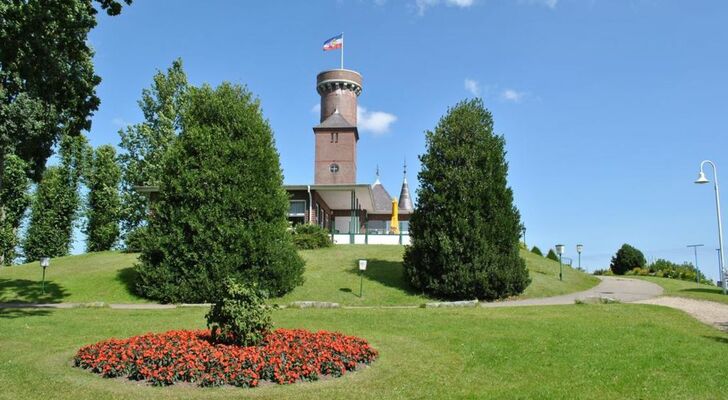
(335, 121)
(382, 199)
(405, 202)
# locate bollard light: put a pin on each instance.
(362, 268)
(45, 262)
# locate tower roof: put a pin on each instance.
(405, 202)
(335, 120)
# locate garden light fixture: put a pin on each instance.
(701, 180)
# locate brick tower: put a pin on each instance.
(337, 135)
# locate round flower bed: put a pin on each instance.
(285, 356)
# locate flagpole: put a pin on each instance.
(342, 50)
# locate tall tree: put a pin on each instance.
(103, 211)
(15, 199)
(56, 202)
(47, 79)
(465, 230)
(222, 208)
(145, 144)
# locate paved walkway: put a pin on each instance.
(611, 288)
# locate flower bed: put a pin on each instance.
(285, 356)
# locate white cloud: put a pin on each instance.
(376, 122)
(472, 86)
(120, 122)
(316, 108)
(547, 3)
(513, 95)
(423, 5)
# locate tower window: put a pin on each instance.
(334, 168)
(332, 137)
(336, 137)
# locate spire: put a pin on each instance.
(405, 203)
(376, 182)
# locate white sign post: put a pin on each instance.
(362, 268)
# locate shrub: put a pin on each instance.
(627, 258)
(472, 249)
(535, 250)
(552, 255)
(669, 269)
(241, 317)
(310, 236)
(222, 210)
(135, 239)
(606, 272)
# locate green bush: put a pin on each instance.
(535, 250)
(465, 230)
(241, 316)
(222, 210)
(310, 236)
(134, 240)
(627, 258)
(668, 269)
(552, 255)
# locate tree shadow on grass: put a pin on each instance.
(704, 290)
(719, 339)
(12, 313)
(26, 291)
(388, 273)
(128, 277)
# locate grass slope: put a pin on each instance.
(331, 275)
(616, 351)
(680, 288)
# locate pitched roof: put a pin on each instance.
(382, 199)
(335, 120)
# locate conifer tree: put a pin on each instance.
(465, 229)
(56, 202)
(221, 212)
(551, 255)
(102, 225)
(14, 198)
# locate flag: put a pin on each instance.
(334, 43)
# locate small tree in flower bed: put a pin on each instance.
(285, 356)
(241, 317)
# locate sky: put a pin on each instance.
(607, 106)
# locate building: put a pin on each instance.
(354, 213)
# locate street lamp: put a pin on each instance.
(45, 262)
(697, 270)
(701, 180)
(560, 251)
(579, 248)
(523, 228)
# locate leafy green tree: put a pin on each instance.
(465, 230)
(626, 259)
(240, 316)
(146, 143)
(15, 199)
(551, 255)
(222, 208)
(56, 202)
(535, 250)
(102, 226)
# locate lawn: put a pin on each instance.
(331, 275)
(689, 289)
(615, 351)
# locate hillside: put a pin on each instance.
(331, 275)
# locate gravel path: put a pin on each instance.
(611, 288)
(709, 312)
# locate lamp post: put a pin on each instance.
(362, 268)
(697, 270)
(523, 228)
(560, 252)
(579, 248)
(45, 262)
(702, 180)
